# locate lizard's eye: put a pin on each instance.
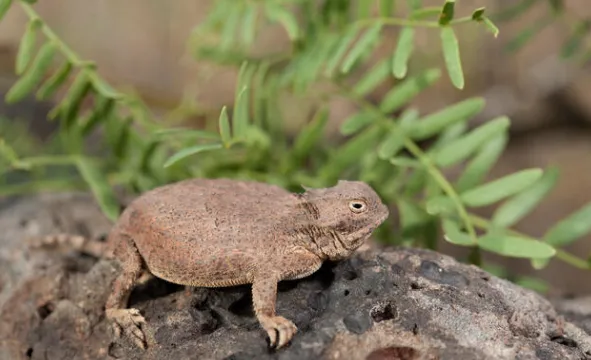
(357, 206)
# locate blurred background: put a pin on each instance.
(141, 45)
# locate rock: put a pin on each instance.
(576, 310)
(381, 304)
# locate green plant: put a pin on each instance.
(403, 154)
(576, 47)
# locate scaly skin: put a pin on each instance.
(222, 232)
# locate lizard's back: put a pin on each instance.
(206, 228)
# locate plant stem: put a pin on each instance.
(445, 185)
(407, 22)
(396, 22)
(560, 254)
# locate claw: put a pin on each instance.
(279, 329)
(128, 321)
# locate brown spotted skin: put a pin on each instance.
(222, 232)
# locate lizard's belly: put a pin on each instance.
(198, 264)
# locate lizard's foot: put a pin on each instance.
(279, 329)
(128, 321)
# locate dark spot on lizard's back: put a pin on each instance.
(434, 272)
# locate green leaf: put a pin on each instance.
(364, 9)
(356, 122)
(97, 181)
(575, 226)
(447, 12)
(27, 46)
(513, 246)
(477, 15)
(387, 7)
(440, 204)
(496, 190)
(403, 51)
(539, 264)
(378, 73)
(4, 6)
(279, 14)
(394, 142)
(240, 113)
(249, 25)
(453, 234)
(117, 134)
(491, 26)
(524, 202)
(462, 148)
(49, 87)
(340, 50)
(102, 111)
(434, 123)
(362, 47)
(180, 155)
(451, 54)
(449, 135)
(103, 88)
(416, 182)
(403, 161)
(412, 217)
(415, 4)
(309, 135)
(479, 167)
(33, 75)
(224, 124)
(7, 152)
(74, 97)
(230, 25)
(408, 89)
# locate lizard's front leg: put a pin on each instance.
(294, 264)
(264, 295)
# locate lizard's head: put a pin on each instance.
(346, 215)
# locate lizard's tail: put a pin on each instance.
(69, 241)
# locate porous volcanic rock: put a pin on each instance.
(394, 303)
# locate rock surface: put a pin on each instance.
(381, 304)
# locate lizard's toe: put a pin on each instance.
(128, 322)
(280, 331)
(286, 332)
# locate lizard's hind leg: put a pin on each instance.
(126, 321)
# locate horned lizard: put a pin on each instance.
(223, 232)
